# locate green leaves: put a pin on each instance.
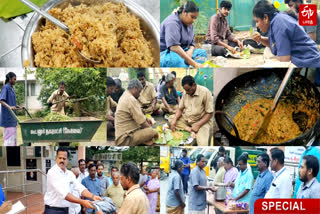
(138, 154)
(19, 89)
(80, 82)
(12, 8)
(55, 116)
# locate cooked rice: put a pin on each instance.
(281, 127)
(106, 32)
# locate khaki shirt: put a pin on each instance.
(56, 97)
(129, 116)
(116, 193)
(111, 105)
(147, 95)
(196, 106)
(135, 202)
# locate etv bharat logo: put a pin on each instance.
(308, 14)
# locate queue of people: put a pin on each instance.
(273, 180)
(128, 119)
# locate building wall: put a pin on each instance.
(15, 181)
(33, 103)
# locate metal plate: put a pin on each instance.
(148, 25)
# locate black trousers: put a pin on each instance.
(55, 210)
(218, 50)
(185, 179)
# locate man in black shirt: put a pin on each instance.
(169, 95)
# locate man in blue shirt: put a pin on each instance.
(186, 170)
(263, 180)
(2, 197)
(4, 206)
(92, 183)
(244, 181)
(198, 183)
(103, 179)
(175, 197)
(312, 150)
(308, 171)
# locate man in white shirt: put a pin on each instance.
(281, 186)
(75, 208)
(82, 167)
(60, 185)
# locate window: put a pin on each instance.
(13, 156)
(37, 151)
(33, 89)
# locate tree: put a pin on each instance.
(139, 154)
(19, 89)
(92, 150)
(80, 82)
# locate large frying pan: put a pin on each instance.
(262, 84)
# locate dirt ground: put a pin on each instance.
(255, 60)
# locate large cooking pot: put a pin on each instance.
(220, 194)
(262, 84)
(150, 27)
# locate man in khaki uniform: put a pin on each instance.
(57, 100)
(148, 96)
(111, 106)
(169, 96)
(135, 200)
(195, 111)
(132, 126)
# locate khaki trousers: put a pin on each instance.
(203, 133)
(165, 109)
(138, 137)
(148, 110)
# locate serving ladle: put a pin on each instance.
(62, 26)
(267, 118)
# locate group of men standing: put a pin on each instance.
(68, 191)
(96, 182)
(128, 119)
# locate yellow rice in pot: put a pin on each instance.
(105, 32)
